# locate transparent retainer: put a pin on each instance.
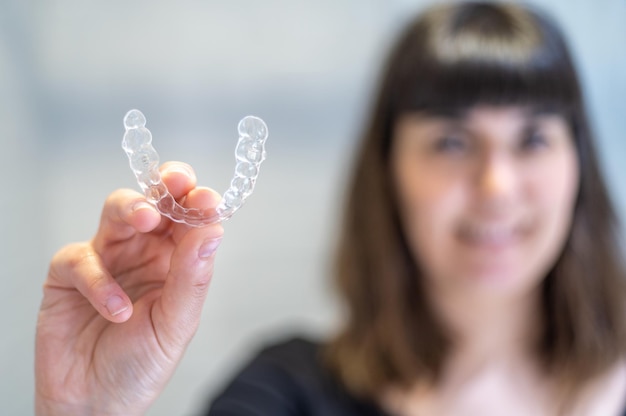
(144, 162)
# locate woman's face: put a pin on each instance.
(486, 197)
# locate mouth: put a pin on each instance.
(490, 236)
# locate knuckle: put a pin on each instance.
(201, 287)
(69, 256)
(76, 259)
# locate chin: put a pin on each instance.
(498, 280)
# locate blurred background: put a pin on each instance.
(69, 71)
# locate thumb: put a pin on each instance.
(178, 312)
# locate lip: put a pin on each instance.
(490, 236)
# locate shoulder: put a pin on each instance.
(293, 354)
(284, 379)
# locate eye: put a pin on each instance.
(451, 144)
(533, 140)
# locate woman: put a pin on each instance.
(479, 260)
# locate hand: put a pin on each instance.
(118, 311)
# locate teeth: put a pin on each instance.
(488, 234)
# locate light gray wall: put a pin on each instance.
(69, 70)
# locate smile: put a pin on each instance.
(490, 236)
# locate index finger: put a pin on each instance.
(126, 212)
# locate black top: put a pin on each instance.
(289, 379)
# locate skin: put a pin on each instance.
(455, 203)
(493, 189)
(96, 352)
(487, 199)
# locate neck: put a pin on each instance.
(490, 330)
(493, 341)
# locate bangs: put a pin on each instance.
(492, 56)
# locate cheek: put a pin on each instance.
(552, 199)
(555, 191)
(429, 210)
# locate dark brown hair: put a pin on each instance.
(452, 57)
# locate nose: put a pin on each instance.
(497, 180)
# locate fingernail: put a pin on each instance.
(180, 169)
(141, 205)
(208, 248)
(116, 305)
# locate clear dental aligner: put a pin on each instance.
(144, 162)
